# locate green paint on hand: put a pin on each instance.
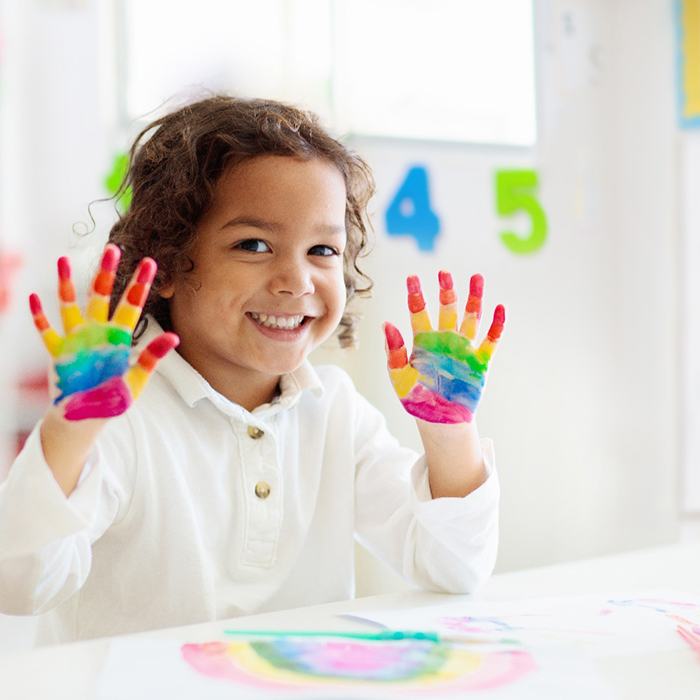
(453, 345)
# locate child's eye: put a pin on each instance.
(324, 250)
(254, 245)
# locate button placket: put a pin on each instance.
(263, 498)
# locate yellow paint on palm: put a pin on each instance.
(486, 350)
(448, 318)
(71, 317)
(126, 316)
(404, 379)
(470, 325)
(136, 379)
(53, 342)
(98, 309)
(420, 322)
(448, 307)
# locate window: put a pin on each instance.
(449, 70)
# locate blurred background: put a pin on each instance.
(551, 145)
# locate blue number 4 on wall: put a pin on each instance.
(409, 213)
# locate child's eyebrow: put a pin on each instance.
(329, 229)
(252, 221)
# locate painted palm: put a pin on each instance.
(94, 375)
(443, 380)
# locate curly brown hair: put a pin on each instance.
(175, 163)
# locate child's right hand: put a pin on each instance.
(94, 378)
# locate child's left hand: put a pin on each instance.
(444, 378)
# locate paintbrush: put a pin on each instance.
(382, 636)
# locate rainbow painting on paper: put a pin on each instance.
(333, 667)
(409, 667)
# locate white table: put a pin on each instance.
(71, 670)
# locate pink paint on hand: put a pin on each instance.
(109, 399)
(429, 406)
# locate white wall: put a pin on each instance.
(583, 398)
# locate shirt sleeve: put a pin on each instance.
(45, 538)
(447, 545)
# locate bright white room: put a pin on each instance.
(552, 146)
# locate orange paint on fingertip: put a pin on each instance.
(137, 294)
(103, 282)
(499, 319)
(397, 358)
(66, 291)
(416, 302)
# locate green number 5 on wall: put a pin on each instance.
(516, 191)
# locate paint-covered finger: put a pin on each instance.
(102, 283)
(70, 311)
(472, 312)
(138, 374)
(396, 354)
(128, 310)
(420, 321)
(488, 345)
(52, 340)
(448, 303)
(403, 376)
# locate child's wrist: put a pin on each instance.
(57, 425)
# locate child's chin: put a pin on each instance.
(278, 367)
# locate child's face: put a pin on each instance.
(267, 285)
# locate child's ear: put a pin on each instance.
(167, 291)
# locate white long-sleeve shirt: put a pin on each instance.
(191, 509)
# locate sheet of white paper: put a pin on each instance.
(141, 669)
(605, 625)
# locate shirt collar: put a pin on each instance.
(193, 387)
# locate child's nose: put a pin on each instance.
(293, 278)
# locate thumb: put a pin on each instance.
(140, 372)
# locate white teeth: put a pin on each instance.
(287, 323)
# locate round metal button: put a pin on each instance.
(254, 432)
(262, 489)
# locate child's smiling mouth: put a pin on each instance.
(280, 327)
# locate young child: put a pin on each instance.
(240, 476)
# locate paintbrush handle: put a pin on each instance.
(384, 635)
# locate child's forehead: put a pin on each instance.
(275, 167)
(281, 189)
(265, 178)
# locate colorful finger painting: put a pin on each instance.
(444, 378)
(289, 666)
(92, 358)
(406, 666)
